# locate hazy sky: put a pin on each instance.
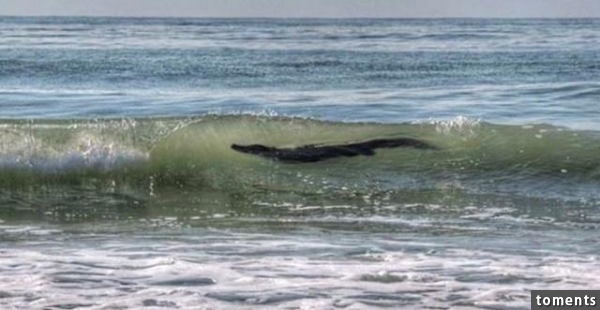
(306, 8)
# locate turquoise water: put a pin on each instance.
(119, 189)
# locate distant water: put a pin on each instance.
(119, 190)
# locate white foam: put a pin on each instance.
(86, 151)
(240, 270)
(458, 124)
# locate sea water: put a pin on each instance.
(119, 189)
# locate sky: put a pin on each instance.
(306, 8)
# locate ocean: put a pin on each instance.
(119, 188)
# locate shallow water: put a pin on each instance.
(119, 189)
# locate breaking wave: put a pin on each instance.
(195, 152)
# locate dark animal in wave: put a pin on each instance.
(314, 153)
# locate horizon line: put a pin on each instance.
(297, 17)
